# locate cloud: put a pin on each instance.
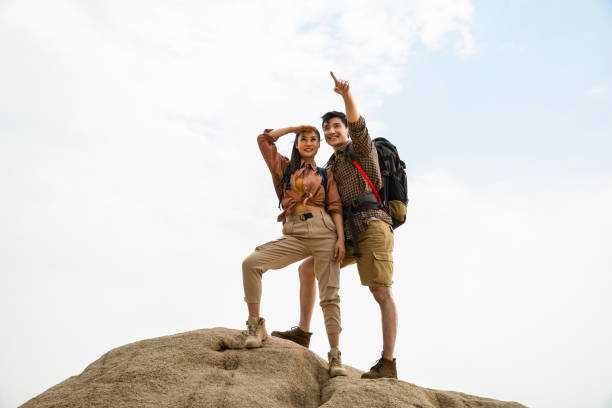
(438, 18)
(133, 189)
(132, 185)
(201, 59)
(597, 91)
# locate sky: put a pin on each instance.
(131, 185)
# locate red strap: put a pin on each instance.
(365, 176)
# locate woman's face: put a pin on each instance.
(308, 144)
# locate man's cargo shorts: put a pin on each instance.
(375, 265)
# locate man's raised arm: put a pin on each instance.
(358, 131)
(343, 89)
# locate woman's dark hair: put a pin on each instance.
(294, 164)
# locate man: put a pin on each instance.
(367, 228)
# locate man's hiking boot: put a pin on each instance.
(335, 363)
(256, 331)
(382, 369)
(296, 335)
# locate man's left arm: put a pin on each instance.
(358, 131)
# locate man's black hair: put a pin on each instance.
(334, 114)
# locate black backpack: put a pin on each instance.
(394, 193)
(393, 196)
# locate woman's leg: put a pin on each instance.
(253, 309)
(272, 255)
(327, 272)
(321, 242)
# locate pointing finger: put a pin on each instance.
(333, 76)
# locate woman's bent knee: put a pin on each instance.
(250, 266)
(247, 263)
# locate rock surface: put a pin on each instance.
(207, 368)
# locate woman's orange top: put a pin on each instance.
(312, 193)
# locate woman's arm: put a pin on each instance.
(276, 133)
(277, 163)
(339, 249)
(334, 207)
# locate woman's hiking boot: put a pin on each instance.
(256, 330)
(382, 369)
(296, 335)
(335, 363)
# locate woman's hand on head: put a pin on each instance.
(304, 128)
(291, 129)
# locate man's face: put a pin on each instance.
(336, 133)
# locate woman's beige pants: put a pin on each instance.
(301, 238)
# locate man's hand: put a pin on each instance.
(341, 87)
(339, 250)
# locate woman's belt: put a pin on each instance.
(305, 216)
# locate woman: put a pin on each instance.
(308, 229)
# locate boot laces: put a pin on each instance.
(377, 365)
(252, 328)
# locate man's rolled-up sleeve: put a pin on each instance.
(362, 143)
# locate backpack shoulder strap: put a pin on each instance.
(367, 179)
(323, 172)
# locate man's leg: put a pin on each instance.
(375, 268)
(388, 313)
(301, 334)
(308, 292)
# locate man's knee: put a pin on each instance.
(306, 270)
(381, 294)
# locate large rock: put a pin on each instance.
(207, 368)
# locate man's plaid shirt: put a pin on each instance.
(351, 183)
